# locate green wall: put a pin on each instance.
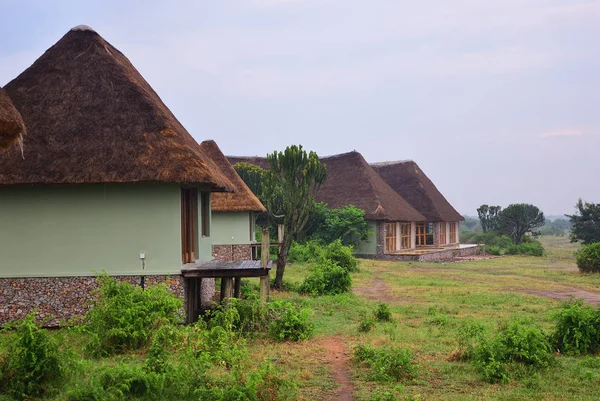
(230, 228)
(369, 247)
(79, 229)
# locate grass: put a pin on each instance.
(428, 302)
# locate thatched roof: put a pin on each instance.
(406, 178)
(351, 181)
(242, 200)
(12, 127)
(92, 118)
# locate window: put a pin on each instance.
(189, 224)
(453, 239)
(205, 209)
(443, 238)
(390, 237)
(405, 240)
(424, 234)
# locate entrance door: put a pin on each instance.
(421, 234)
(189, 224)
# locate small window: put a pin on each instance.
(252, 227)
(424, 234)
(443, 239)
(205, 213)
(453, 239)
(405, 240)
(390, 237)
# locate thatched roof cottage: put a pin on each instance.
(12, 127)
(109, 181)
(408, 180)
(409, 217)
(352, 181)
(233, 213)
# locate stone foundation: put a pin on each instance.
(58, 299)
(232, 253)
(438, 256)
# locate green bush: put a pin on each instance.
(120, 382)
(383, 313)
(326, 278)
(577, 329)
(469, 336)
(123, 316)
(520, 342)
(341, 255)
(33, 362)
(493, 250)
(588, 258)
(366, 323)
(288, 322)
(310, 251)
(386, 364)
(531, 248)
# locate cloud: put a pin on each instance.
(562, 133)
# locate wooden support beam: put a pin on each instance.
(264, 288)
(264, 261)
(226, 288)
(265, 248)
(237, 287)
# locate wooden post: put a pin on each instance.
(280, 233)
(265, 255)
(227, 289)
(237, 287)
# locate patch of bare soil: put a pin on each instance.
(337, 356)
(472, 258)
(377, 290)
(587, 296)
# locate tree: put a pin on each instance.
(586, 223)
(489, 217)
(346, 223)
(252, 175)
(294, 177)
(519, 219)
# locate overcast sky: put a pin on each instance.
(497, 100)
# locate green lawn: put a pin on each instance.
(429, 301)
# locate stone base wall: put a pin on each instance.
(380, 235)
(232, 253)
(58, 299)
(439, 256)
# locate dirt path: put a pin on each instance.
(376, 290)
(337, 356)
(566, 294)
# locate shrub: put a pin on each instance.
(588, 258)
(289, 322)
(124, 316)
(326, 278)
(120, 382)
(386, 364)
(341, 255)
(493, 250)
(520, 342)
(531, 248)
(383, 313)
(33, 362)
(577, 328)
(366, 323)
(307, 252)
(469, 336)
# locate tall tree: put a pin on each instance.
(586, 223)
(489, 217)
(519, 219)
(296, 175)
